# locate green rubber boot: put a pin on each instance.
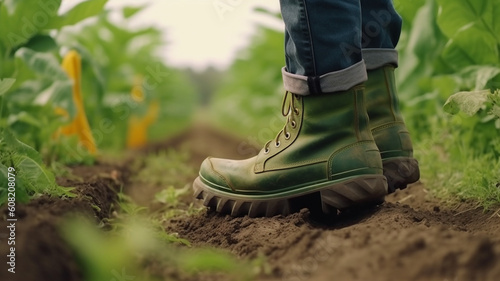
(389, 130)
(325, 149)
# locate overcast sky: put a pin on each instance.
(200, 32)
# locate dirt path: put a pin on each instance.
(410, 237)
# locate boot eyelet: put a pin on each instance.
(266, 150)
(296, 110)
(277, 144)
(287, 136)
(294, 124)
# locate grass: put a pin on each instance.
(454, 169)
(165, 168)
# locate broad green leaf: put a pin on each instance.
(477, 77)
(467, 102)
(444, 85)
(131, 11)
(455, 57)
(496, 21)
(5, 85)
(21, 20)
(267, 12)
(424, 46)
(34, 174)
(59, 94)
(78, 13)
(484, 75)
(424, 36)
(455, 15)
(477, 44)
(41, 43)
(31, 173)
(24, 117)
(44, 64)
(471, 26)
(27, 91)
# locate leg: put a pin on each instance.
(323, 52)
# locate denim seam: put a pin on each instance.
(309, 34)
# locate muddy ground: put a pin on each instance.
(412, 236)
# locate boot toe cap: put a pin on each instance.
(210, 175)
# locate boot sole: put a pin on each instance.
(400, 172)
(338, 195)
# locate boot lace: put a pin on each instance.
(288, 110)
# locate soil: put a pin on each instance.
(412, 236)
(41, 252)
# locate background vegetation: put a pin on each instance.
(448, 81)
(129, 96)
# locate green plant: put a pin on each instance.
(165, 168)
(31, 176)
(28, 54)
(37, 98)
(452, 47)
(126, 83)
(137, 239)
(32, 85)
(170, 195)
(132, 250)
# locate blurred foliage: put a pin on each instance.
(170, 173)
(165, 168)
(136, 244)
(32, 85)
(251, 91)
(117, 63)
(115, 74)
(451, 48)
(137, 251)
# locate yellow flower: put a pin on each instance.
(79, 126)
(137, 92)
(137, 133)
(138, 127)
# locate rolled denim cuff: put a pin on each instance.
(376, 58)
(336, 81)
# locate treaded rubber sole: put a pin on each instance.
(351, 192)
(400, 172)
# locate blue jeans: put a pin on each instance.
(329, 44)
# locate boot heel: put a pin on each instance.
(361, 190)
(400, 172)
